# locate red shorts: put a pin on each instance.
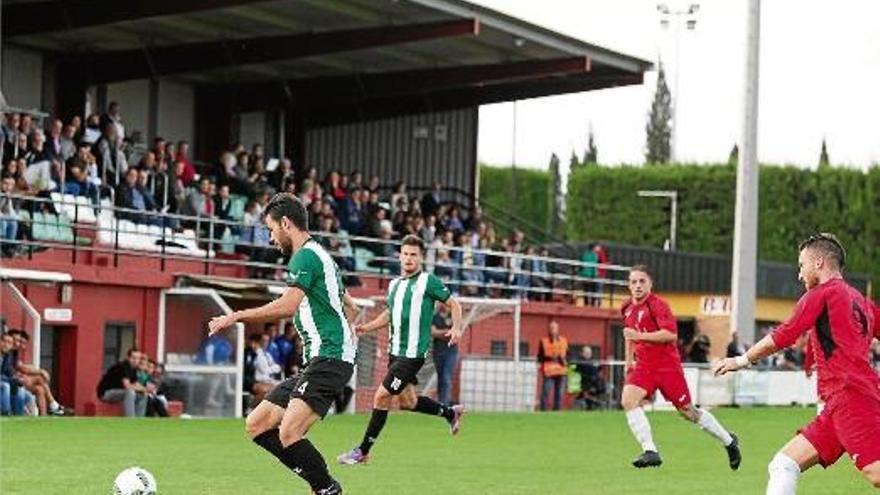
(853, 427)
(671, 384)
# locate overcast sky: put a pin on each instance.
(820, 74)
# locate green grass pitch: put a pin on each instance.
(496, 454)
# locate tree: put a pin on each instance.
(591, 155)
(574, 162)
(659, 129)
(556, 198)
(823, 156)
(733, 157)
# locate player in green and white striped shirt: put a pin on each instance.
(411, 301)
(320, 306)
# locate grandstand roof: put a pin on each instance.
(391, 56)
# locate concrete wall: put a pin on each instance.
(176, 111)
(134, 102)
(22, 77)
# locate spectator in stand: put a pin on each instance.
(129, 196)
(540, 275)
(189, 168)
(113, 117)
(353, 214)
(470, 273)
(120, 384)
(267, 370)
(8, 215)
(10, 136)
(54, 140)
(223, 210)
(428, 232)
(307, 193)
(431, 200)
(374, 184)
(92, 131)
(282, 174)
(12, 393)
(257, 174)
(444, 265)
(27, 124)
(356, 180)
(316, 208)
(108, 156)
(295, 360)
(517, 271)
(552, 350)
(601, 272)
(77, 183)
(143, 185)
(399, 200)
(445, 356)
(335, 188)
(588, 271)
(68, 144)
(453, 222)
(474, 219)
(199, 202)
(38, 152)
(372, 203)
(157, 403)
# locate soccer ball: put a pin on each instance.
(134, 481)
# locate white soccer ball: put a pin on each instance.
(134, 481)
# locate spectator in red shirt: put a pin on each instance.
(189, 168)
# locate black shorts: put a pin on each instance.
(401, 372)
(318, 386)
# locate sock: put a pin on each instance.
(711, 426)
(641, 429)
(54, 406)
(377, 422)
(270, 441)
(784, 474)
(427, 405)
(304, 459)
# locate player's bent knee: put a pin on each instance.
(255, 424)
(290, 435)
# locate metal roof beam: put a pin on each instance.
(21, 19)
(193, 57)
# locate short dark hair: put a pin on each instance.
(255, 337)
(413, 240)
(827, 245)
(287, 205)
(642, 268)
(132, 351)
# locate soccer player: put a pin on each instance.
(849, 386)
(411, 300)
(651, 333)
(321, 307)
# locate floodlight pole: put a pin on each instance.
(745, 237)
(673, 220)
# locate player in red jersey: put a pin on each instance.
(651, 334)
(844, 327)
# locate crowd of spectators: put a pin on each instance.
(97, 159)
(136, 383)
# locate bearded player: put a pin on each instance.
(844, 325)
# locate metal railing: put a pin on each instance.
(121, 231)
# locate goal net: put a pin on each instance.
(490, 374)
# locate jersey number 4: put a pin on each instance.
(302, 388)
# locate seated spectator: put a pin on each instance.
(469, 272)
(399, 200)
(189, 168)
(12, 392)
(279, 176)
(120, 384)
(68, 143)
(199, 202)
(353, 215)
(374, 184)
(130, 197)
(453, 222)
(444, 267)
(286, 343)
(33, 379)
(223, 209)
(15, 169)
(540, 274)
(517, 272)
(38, 152)
(307, 193)
(54, 141)
(271, 330)
(92, 130)
(267, 371)
(157, 402)
(295, 360)
(8, 215)
(374, 222)
(215, 350)
(474, 219)
(77, 183)
(335, 188)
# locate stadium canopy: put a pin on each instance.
(331, 60)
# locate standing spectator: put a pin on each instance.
(114, 118)
(735, 347)
(68, 145)
(431, 200)
(38, 152)
(445, 356)
(222, 209)
(8, 215)
(108, 157)
(540, 275)
(592, 386)
(54, 144)
(551, 354)
(588, 272)
(120, 384)
(92, 130)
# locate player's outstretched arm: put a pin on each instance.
(378, 322)
(765, 347)
(349, 307)
(283, 307)
(456, 331)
